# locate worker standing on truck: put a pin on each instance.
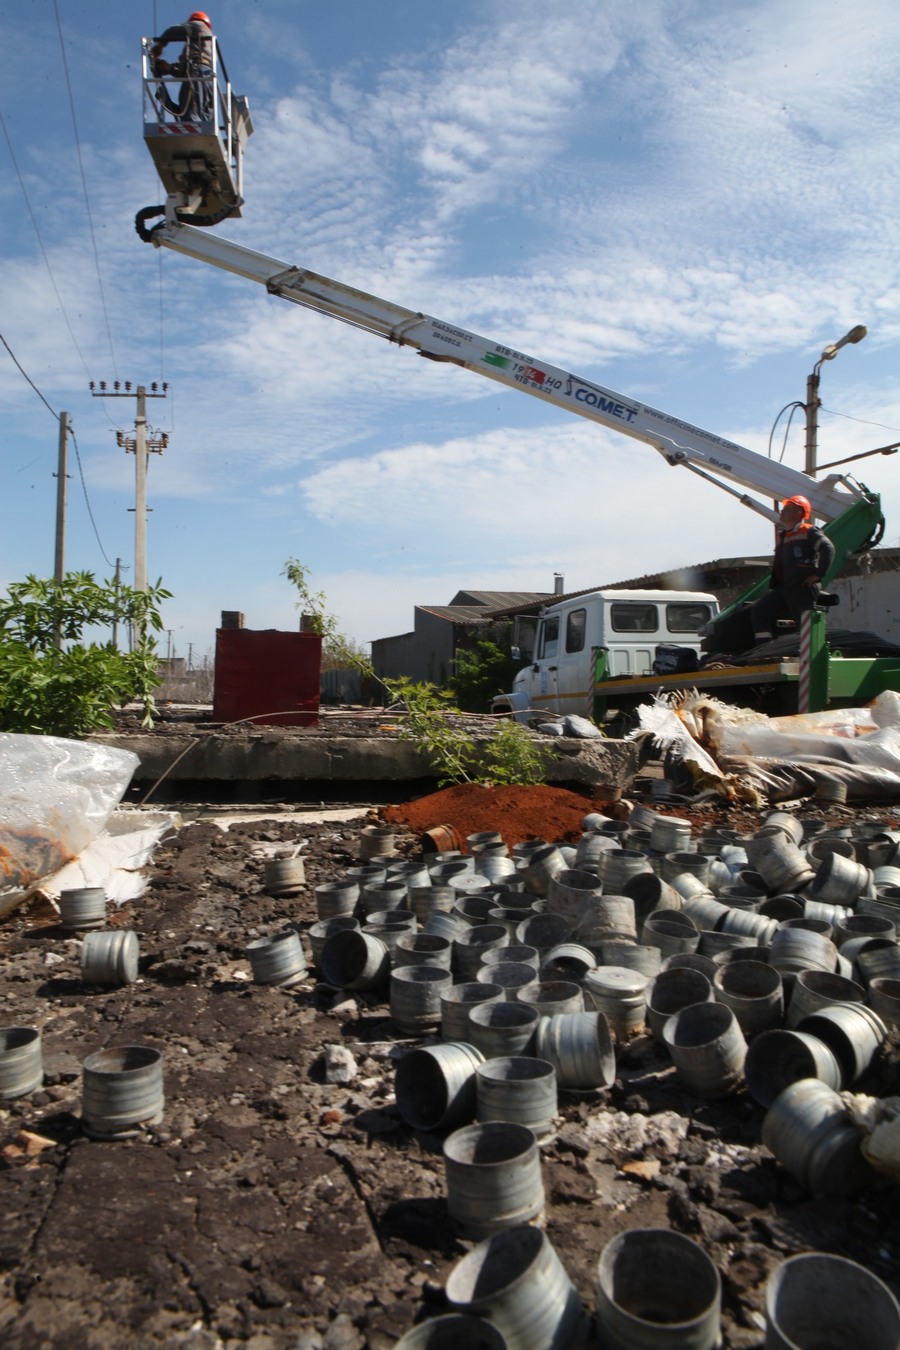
(803, 554)
(194, 66)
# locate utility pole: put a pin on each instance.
(59, 560)
(62, 478)
(140, 445)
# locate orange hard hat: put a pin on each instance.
(798, 501)
(200, 17)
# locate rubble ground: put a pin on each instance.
(275, 1209)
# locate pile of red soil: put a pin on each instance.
(518, 813)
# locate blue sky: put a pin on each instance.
(681, 199)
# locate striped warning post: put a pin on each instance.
(805, 662)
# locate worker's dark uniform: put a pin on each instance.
(800, 553)
(194, 66)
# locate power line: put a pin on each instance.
(84, 186)
(27, 376)
(87, 500)
(44, 255)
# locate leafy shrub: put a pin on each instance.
(55, 683)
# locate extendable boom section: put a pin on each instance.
(678, 442)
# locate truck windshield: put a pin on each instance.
(687, 617)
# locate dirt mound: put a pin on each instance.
(540, 812)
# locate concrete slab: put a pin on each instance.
(307, 757)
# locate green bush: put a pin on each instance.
(481, 671)
(510, 756)
(53, 682)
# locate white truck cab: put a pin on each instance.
(626, 626)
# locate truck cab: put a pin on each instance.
(626, 626)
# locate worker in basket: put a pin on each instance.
(194, 67)
(803, 554)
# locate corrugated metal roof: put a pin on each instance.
(675, 579)
(498, 599)
(458, 613)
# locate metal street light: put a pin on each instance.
(813, 402)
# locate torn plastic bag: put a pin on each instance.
(56, 795)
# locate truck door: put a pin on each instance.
(574, 680)
(633, 633)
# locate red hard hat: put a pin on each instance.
(798, 501)
(200, 17)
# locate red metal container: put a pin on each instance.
(269, 676)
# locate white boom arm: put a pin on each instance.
(678, 442)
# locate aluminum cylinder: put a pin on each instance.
(707, 1047)
(21, 1061)
(83, 907)
(669, 935)
(277, 959)
(670, 834)
(458, 1002)
(376, 841)
(427, 900)
(671, 991)
(519, 1088)
(499, 1029)
(470, 948)
(567, 961)
(516, 1280)
(828, 1302)
(852, 1031)
(779, 1058)
(580, 1048)
(511, 976)
(755, 994)
(355, 960)
(435, 1085)
(415, 997)
(110, 956)
(544, 931)
(452, 1332)
(284, 876)
(616, 868)
(808, 1129)
(649, 893)
(839, 881)
(122, 1091)
(632, 955)
(552, 996)
(816, 989)
(334, 898)
(423, 949)
(657, 1290)
(323, 929)
(620, 994)
(883, 997)
(568, 889)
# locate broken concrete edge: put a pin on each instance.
(310, 758)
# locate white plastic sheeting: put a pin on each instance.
(756, 758)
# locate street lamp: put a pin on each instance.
(813, 401)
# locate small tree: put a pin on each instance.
(338, 652)
(53, 681)
(482, 670)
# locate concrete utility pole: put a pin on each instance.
(62, 468)
(140, 445)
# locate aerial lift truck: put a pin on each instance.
(200, 165)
